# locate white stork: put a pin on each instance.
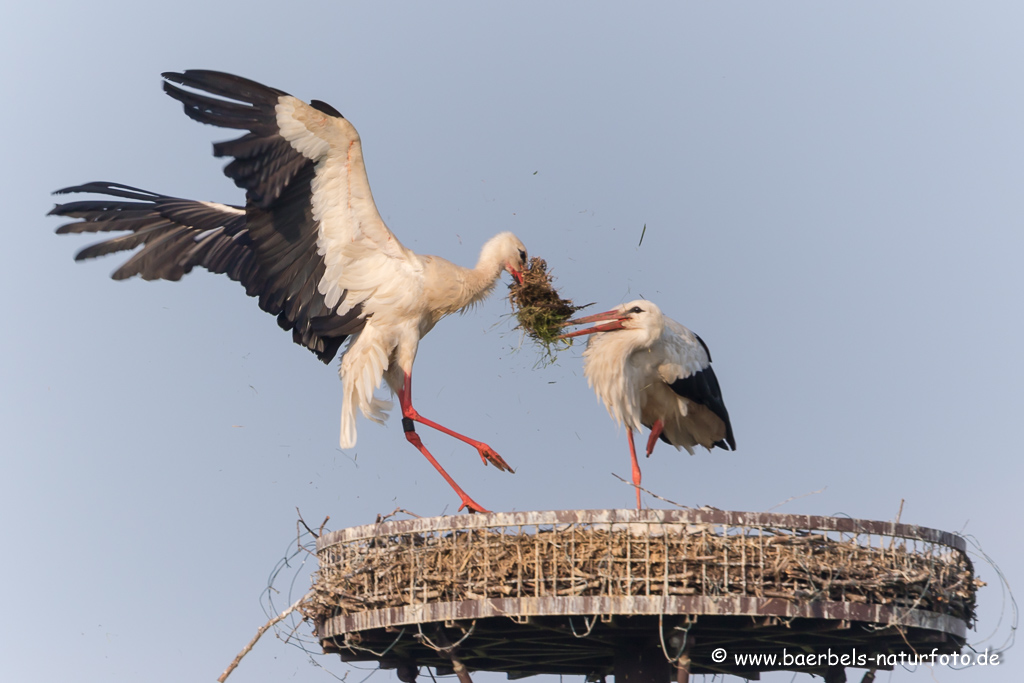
(650, 371)
(309, 243)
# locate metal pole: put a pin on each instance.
(684, 663)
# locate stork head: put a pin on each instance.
(639, 315)
(507, 252)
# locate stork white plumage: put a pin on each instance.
(309, 243)
(650, 371)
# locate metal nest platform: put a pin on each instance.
(641, 594)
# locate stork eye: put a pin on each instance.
(636, 309)
(522, 256)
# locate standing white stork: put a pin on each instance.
(309, 243)
(649, 370)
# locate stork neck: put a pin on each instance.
(452, 288)
(481, 280)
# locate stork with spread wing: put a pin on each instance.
(309, 243)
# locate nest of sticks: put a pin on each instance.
(538, 307)
(586, 561)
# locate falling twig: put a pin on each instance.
(259, 634)
(642, 233)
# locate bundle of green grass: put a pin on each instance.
(539, 309)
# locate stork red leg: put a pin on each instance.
(652, 440)
(636, 467)
(414, 438)
(409, 415)
(487, 454)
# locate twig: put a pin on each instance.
(381, 518)
(303, 523)
(792, 498)
(899, 514)
(259, 634)
(650, 493)
(298, 536)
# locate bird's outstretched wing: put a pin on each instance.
(309, 204)
(177, 235)
(689, 374)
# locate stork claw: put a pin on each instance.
(488, 454)
(472, 506)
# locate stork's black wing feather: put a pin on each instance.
(702, 388)
(270, 246)
(264, 163)
(177, 235)
(278, 181)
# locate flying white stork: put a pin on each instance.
(309, 243)
(649, 370)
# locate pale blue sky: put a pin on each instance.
(832, 194)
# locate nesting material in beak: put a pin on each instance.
(541, 312)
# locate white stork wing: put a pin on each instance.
(177, 235)
(310, 212)
(687, 371)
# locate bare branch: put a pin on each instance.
(303, 523)
(259, 634)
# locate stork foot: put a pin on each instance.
(467, 502)
(488, 454)
(471, 505)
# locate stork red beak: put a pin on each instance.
(517, 275)
(615, 317)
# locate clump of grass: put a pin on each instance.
(539, 309)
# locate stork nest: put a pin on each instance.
(539, 309)
(418, 568)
